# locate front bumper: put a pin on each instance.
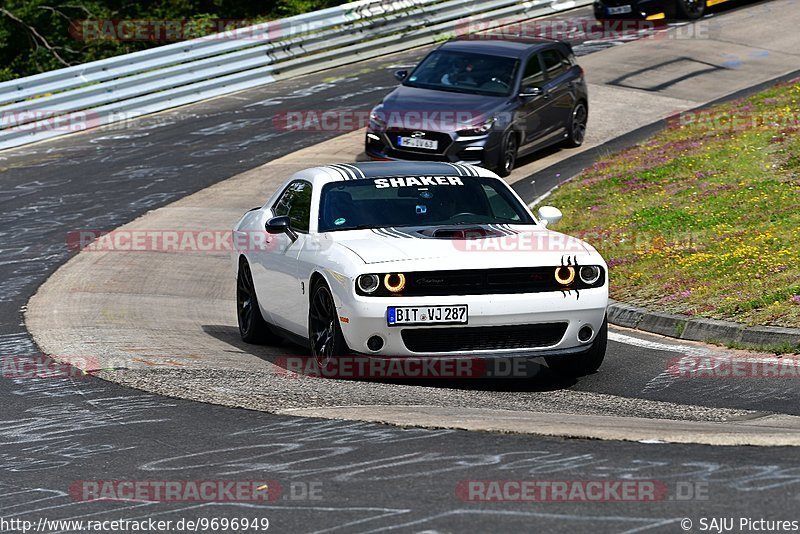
(363, 318)
(483, 150)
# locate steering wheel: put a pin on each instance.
(495, 79)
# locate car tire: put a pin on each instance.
(252, 326)
(576, 130)
(508, 154)
(583, 364)
(691, 9)
(324, 333)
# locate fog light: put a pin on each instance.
(375, 343)
(585, 333)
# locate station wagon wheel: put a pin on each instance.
(577, 126)
(252, 326)
(325, 336)
(508, 155)
(691, 9)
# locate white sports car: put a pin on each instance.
(407, 259)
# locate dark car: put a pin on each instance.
(652, 9)
(483, 102)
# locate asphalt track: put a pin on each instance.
(56, 431)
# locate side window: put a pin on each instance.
(554, 63)
(281, 207)
(300, 213)
(500, 208)
(296, 203)
(533, 75)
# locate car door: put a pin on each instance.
(283, 289)
(533, 109)
(558, 89)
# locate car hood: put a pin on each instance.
(510, 246)
(428, 101)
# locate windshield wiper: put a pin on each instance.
(359, 227)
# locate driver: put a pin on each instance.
(460, 72)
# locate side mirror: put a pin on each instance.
(281, 225)
(550, 215)
(401, 75)
(531, 92)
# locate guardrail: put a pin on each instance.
(119, 88)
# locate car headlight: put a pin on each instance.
(589, 274)
(368, 283)
(565, 275)
(377, 119)
(479, 130)
(394, 283)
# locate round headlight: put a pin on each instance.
(368, 283)
(565, 275)
(590, 274)
(394, 282)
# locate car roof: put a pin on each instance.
(339, 172)
(499, 46)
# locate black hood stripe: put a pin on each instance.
(383, 233)
(347, 173)
(501, 230)
(469, 171)
(355, 169)
(457, 168)
(338, 171)
(398, 233)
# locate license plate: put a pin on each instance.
(619, 10)
(415, 142)
(408, 315)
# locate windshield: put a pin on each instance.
(418, 201)
(463, 72)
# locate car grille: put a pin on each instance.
(481, 282)
(444, 141)
(470, 155)
(460, 339)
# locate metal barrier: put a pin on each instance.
(101, 92)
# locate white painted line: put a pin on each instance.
(687, 350)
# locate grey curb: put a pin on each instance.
(695, 329)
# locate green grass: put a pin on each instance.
(704, 218)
